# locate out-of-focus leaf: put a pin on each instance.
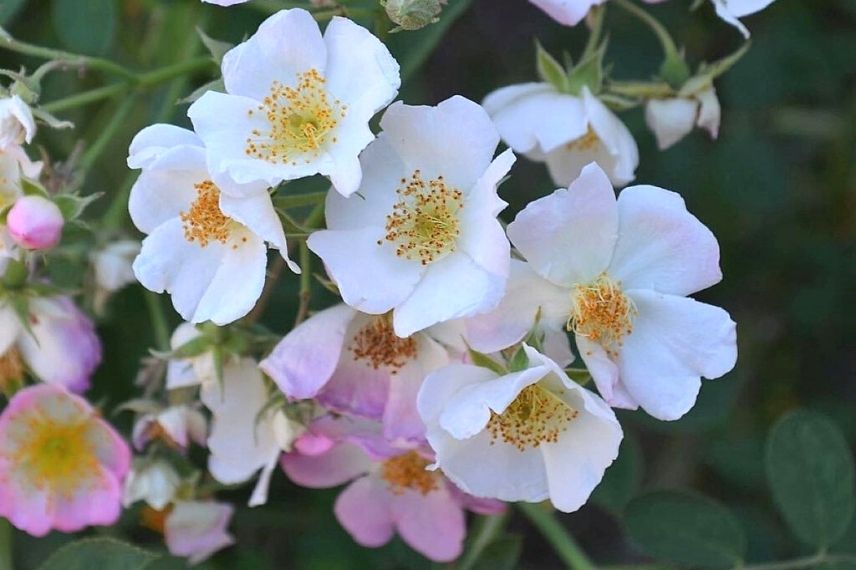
(501, 554)
(9, 8)
(686, 529)
(85, 27)
(622, 479)
(811, 474)
(100, 553)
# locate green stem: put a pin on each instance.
(597, 14)
(557, 536)
(143, 80)
(666, 40)
(158, 318)
(107, 134)
(6, 543)
(488, 529)
(72, 59)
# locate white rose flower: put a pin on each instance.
(565, 131)
(525, 436)
(199, 238)
(421, 238)
(154, 482)
(617, 275)
(112, 270)
(296, 103)
(672, 119)
(17, 125)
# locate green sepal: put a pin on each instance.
(215, 85)
(550, 70)
(216, 48)
(33, 188)
(485, 361)
(73, 205)
(588, 73)
(519, 360)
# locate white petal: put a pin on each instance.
(360, 69)
(724, 11)
(456, 139)
(157, 142)
(452, 287)
(709, 112)
(10, 327)
(515, 316)
(442, 385)
(662, 246)
(287, 43)
(535, 116)
(256, 212)
(670, 119)
(675, 341)
(567, 12)
(371, 278)
(161, 195)
(616, 137)
(568, 236)
(382, 170)
(482, 236)
(240, 442)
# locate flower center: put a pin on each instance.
(55, 455)
(408, 471)
(301, 119)
(535, 416)
(601, 312)
(587, 142)
(378, 345)
(424, 224)
(205, 222)
(11, 367)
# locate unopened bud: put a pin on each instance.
(35, 222)
(413, 14)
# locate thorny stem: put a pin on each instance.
(562, 542)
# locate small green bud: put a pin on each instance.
(413, 14)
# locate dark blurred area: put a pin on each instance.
(778, 189)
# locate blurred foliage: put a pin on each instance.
(778, 189)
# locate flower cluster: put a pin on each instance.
(441, 384)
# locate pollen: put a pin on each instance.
(56, 455)
(587, 142)
(424, 224)
(11, 367)
(408, 471)
(204, 222)
(301, 120)
(378, 345)
(601, 312)
(536, 416)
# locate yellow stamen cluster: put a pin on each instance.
(301, 120)
(378, 345)
(601, 312)
(536, 416)
(205, 222)
(407, 471)
(11, 367)
(587, 142)
(424, 224)
(56, 455)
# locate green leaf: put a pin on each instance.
(686, 529)
(85, 27)
(549, 69)
(501, 554)
(100, 553)
(811, 474)
(216, 48)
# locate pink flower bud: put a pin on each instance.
(35, 222)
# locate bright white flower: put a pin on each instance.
(672, 119)
(243, 440)
(525, 436)
(617, 273)
(572, 12)
(296, 103)
(731, 10)
(154, 482)
(421, 238)
(225, 2)
(111, 267)
(199, 238)
(565, 131)
(17, 125)
(197, 529)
